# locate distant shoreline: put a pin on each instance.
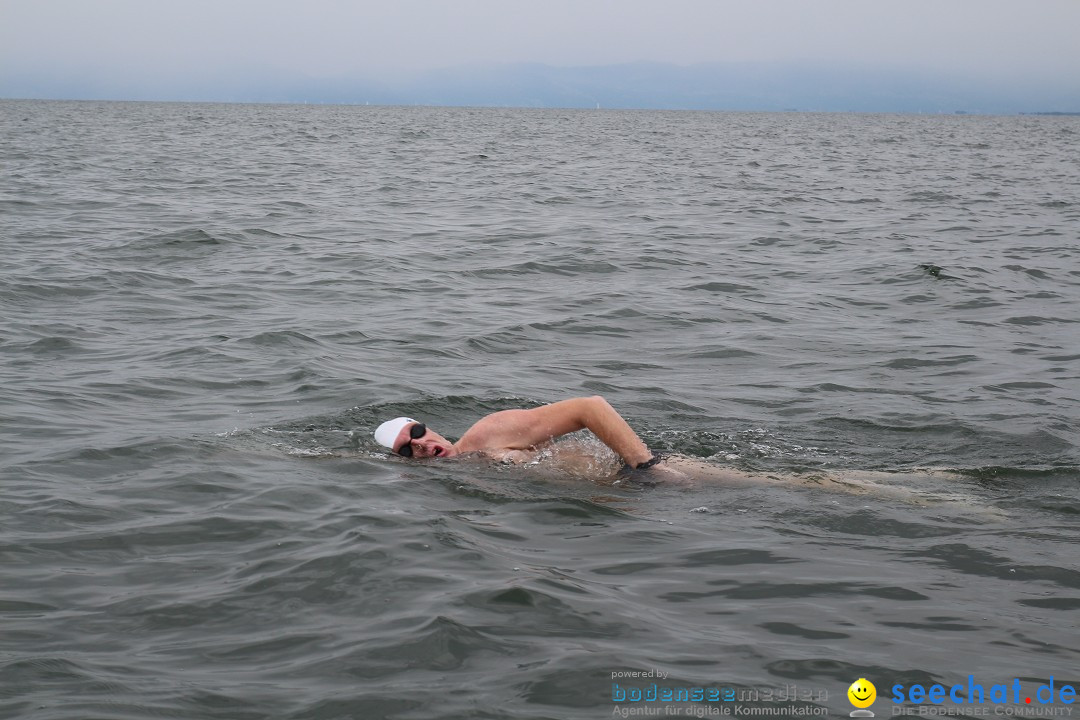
(331, 103)
(719, 86)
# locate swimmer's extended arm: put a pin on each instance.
(524, 429)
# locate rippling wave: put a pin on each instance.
(208, 308)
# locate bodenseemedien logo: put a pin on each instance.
(862, 694)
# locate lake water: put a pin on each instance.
(206, 310)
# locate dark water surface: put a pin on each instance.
(206, 309)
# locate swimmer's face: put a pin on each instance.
(428, 444)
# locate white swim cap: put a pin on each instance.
(386, 433)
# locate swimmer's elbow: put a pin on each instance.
(577, 413)
(594, 404)
(594, 411)
(597, 401)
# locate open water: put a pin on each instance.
(206, 309)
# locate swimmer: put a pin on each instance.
(518, 435)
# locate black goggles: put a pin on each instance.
(416, 432)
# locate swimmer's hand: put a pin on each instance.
(657, 470)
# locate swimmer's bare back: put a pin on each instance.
(580, 461)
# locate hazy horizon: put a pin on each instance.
(919, 56)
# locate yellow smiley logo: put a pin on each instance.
(862, 693)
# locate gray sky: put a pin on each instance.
(179, 39)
